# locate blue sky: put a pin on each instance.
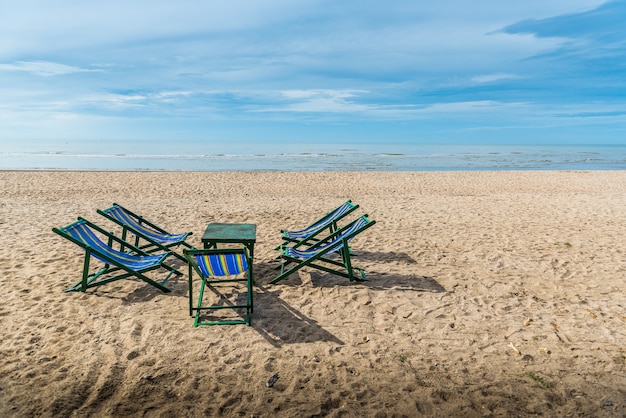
(451, 71)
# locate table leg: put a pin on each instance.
(250, 247)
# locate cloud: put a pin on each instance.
(587, 36)
(45, 68)
(310, 60)
(493, 78)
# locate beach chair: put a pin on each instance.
(131, 262)
(327, 223)
(317, 255)
(156, 239)
(217, 267)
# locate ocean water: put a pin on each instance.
(208, 156)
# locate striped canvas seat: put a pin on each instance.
(334, 245)
(325, 222)
(219, 265)
(147, 235)
(82, 232)
(126, 218)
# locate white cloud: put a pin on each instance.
(36, 26)
(44, 68)
(493, 78)
(331, 94)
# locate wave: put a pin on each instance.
(414, 158)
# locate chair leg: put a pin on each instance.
(347, 263)
(199, 308)
(248, 306)
(250, 295)
(190, 289)
(83, 286)
(87, 278)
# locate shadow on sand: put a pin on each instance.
(280, 323)
(376, 280)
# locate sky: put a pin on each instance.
(451, 71)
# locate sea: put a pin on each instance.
(182, 155)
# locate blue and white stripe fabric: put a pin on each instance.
(83, 233)
(126, 218)
(321, 224)
(336, 243)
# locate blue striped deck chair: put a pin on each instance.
(130, 263)
(156, 239)
(220, 268)
(317, 255)
(326, 224)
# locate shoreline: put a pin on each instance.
(491, 293)
(190, 156)
(500, 170)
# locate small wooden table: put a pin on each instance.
(222, 233)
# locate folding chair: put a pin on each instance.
(327, 223)
(215, 268)
(317, 255)
(128, 262)
(157, 239)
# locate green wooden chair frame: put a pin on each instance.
(130, 262)
(209, 280)
(157, 239)
(326, 224)
(316, 256)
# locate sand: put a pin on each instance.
(490, 294)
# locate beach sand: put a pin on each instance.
(490, 294)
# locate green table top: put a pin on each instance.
(223, 232)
